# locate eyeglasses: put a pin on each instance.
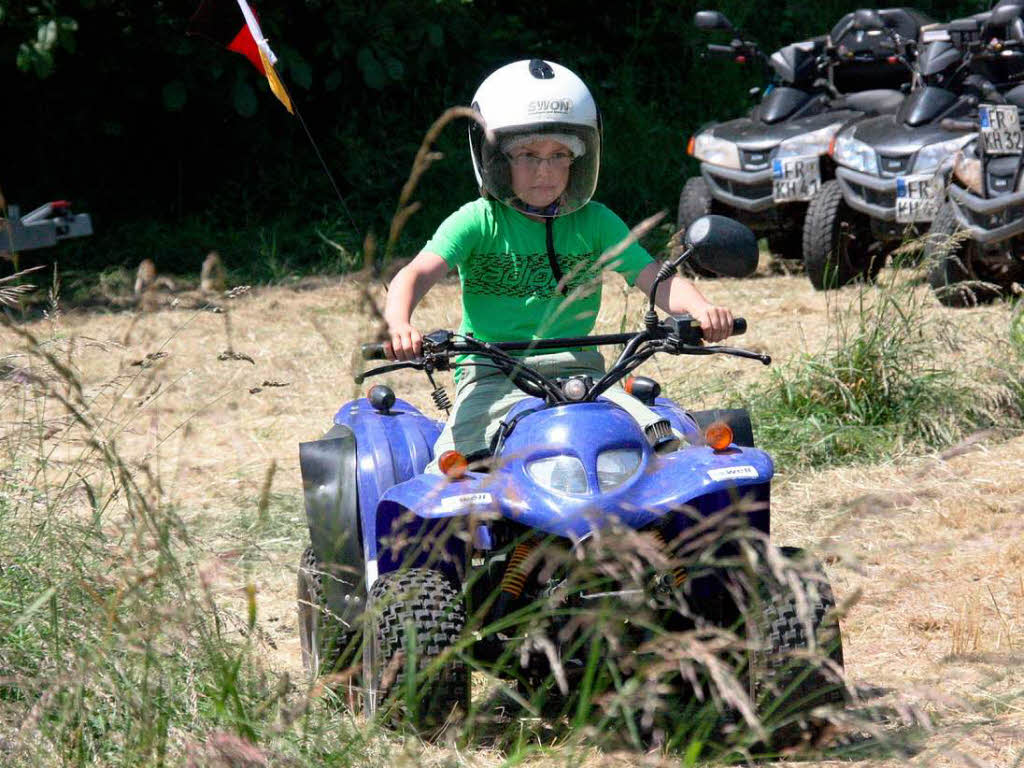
(559, 161)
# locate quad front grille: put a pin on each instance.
(755, 191)
(755, 159)
(893, 165)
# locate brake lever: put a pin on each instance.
(737, 352)
(690, 349)
(416, 365)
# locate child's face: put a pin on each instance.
(540, 171)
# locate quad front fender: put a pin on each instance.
(429, 521)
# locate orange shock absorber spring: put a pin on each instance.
(514, 580)
(679, 572)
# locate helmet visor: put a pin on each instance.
(548, 169)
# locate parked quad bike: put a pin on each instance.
(763, 168)
(975, 250)
(885, 180)
(410, 575)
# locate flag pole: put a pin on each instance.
(323, 164)
(312, 141)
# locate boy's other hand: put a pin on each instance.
(406, 342)
(715, 322)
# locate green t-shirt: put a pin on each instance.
(508, 289)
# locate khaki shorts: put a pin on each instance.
(484, 396)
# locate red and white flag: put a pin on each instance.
(221, 22)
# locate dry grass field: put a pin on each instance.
(207, 406)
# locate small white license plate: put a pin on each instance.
(917, 198)
(795, 179)
(1000, 129)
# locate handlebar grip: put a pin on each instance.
(739, 326)
(373, 351)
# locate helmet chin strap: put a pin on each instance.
(547, 211)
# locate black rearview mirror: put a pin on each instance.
(722, 245)
(708, 20)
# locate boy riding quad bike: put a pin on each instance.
(886, 176)
(427, 541)
(763, 168)
(433, 574)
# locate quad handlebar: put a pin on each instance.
(375, 350)
(676, 335)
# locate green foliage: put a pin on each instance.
(154, 125)
(1017, 329)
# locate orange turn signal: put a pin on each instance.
(718, 435)
(628, 384)
(832, 147)
(453, 464)
(689, 145)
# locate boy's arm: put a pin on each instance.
(404, 292)
(677, 295)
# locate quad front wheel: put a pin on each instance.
(409, 666)
(960, 272)
(695, 201)
(798, 658)
(838, 245)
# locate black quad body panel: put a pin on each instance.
(328, 470)
(752, 134)
(781, 102)
(737, 418)
(925, 105)
(887, 136)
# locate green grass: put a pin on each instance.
(122, 643)
(888, 383)
(119, 647)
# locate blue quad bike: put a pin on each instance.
(412, 579)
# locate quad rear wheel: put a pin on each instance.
(326, 644)
(787, 249)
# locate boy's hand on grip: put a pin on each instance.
(406, 342)
(715, 323)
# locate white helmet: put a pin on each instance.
(527, 101)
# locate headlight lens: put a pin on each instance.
(929, 157)
(564, 474)
(716, 151)
(616, 467)
(855, 154)
(813, 143)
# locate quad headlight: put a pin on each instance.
(813, 143)
(715, 151)
(855, 154)
(616, 467)
(930, 155)
(564, 474)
